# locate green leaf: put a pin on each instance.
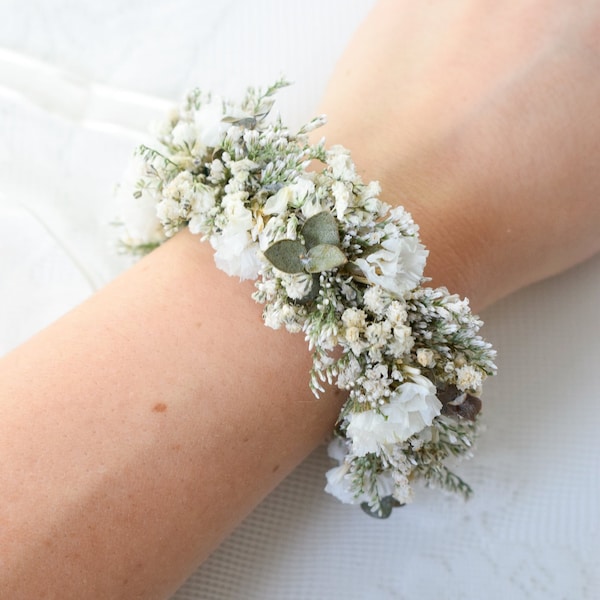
(285, 255)
(245, 122)
(324, 257)
(321, 228)
(385, 507)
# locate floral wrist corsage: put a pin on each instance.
(331, 260)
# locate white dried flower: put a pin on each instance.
(377, 334)
(184, 134)
(297, 285)
(342, 197)
(402, 341)
(169, 214)
(272, 315)
(411, 408)
(396, 313)
(354, 317)
(217, 171)
(302, 189)
(403, 492)
(468, 378)
(425, 357)
(397, 266)
(341, 164)
(349, 374)
(278, 203)
(375, 301)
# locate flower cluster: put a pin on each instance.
(333, 261)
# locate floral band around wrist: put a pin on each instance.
(333, 261)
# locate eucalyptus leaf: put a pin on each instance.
(321, 228)
(245, 122)
(324, 257)
(386, 505)
(285, 255)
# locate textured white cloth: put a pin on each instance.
(78, 84)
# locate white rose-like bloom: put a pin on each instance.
(397, 266)
(235, 252)
(239, 218)
(411, 408)
(367, 430)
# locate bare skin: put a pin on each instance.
(138, 430)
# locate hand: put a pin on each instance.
(481, 118)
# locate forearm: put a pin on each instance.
(140, 428)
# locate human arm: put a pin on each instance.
(170, 499)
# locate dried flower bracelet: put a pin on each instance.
(333, 261)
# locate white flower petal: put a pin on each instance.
(411, 408)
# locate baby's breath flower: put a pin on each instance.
(375, 300)
(354, 317)
(425, 357)
(396, 313)
(468, 378)
(402, 342)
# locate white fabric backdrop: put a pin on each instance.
(79, 83)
